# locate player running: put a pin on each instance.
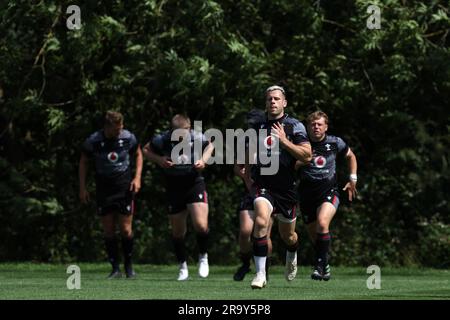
(276, 194)
(318, 190)
(186, 188)
(112, 150)
(247, 213)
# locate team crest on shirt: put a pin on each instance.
(270, 142)
(320, 161)
(113, 157)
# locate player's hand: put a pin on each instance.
(239, 170)
(199, 165)
(165, 162)
(351, 190)
(278, 132)
(242, 172)
(84, 196)
(135, 185)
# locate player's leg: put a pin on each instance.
(263, 210)
(312, 230)
(269, 247)
(310, 209)
(286, 228)
(245, 243)
(112, 248)
(325, 214)
(199, 215)
(126, 232)
(178, 225)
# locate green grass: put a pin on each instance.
(48, 281)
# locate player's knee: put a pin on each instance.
(126, 233)
(322, 225)
(202, 228)
(261, 223)
(245, 234)
(178, 234)
(289, 238)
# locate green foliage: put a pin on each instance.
(386, 92)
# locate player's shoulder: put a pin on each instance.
(295, 123)
(165, 135)
(126, 134)
(96, 136)
(333, 139)
(196, 135)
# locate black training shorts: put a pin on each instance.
(114, 196)
(179, 196)
(284, 203)
(246, 203)
(313, 195)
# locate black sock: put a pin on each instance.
(268, 264)
(292, 247)
(245, 258)
(202, 242)
(323, 241)
(180, 249)
(112, 249)
(260, 247)
(127, 246)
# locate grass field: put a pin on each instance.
(46, 281)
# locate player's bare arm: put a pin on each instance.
(240, 171)
(135, 185)
(82, 172)
(350, 187)
(247, 170)
(162, 161)
(201, 164)
(301, 152)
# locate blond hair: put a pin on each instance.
(317, 115)
(181, 121)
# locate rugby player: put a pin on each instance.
(276, 194)
(318, 190)
(247, 213)
(112, 150)
(185, 188)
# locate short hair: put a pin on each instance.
(181, 121)
(273, 88)
(317, 115)
(113, 118)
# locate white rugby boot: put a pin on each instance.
(259, 281)
(203, 266)
(184, 273)
(291, 265)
